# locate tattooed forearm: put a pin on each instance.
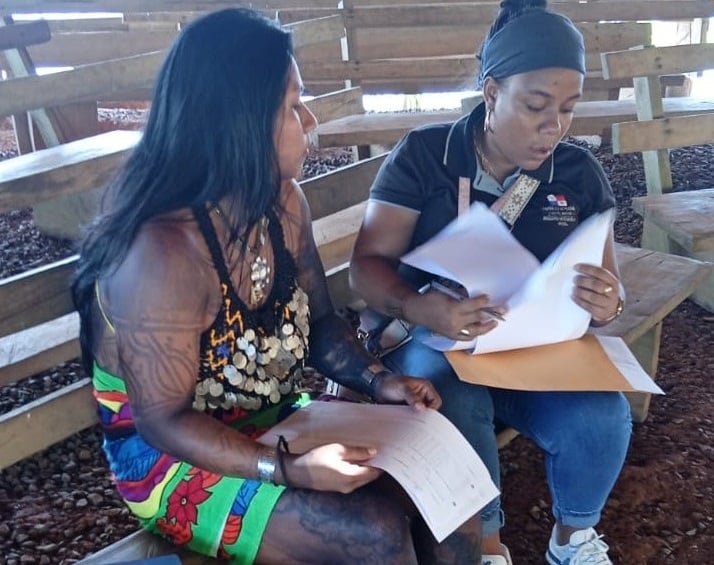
(335, 353)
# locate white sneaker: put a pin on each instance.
(498, 559)
(585, 548)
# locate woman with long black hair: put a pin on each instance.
(202, 296)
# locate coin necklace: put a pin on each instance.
(259, 268)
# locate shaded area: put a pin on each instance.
(60, 505)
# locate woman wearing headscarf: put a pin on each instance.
(532, 70)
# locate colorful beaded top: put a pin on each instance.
(250, 359)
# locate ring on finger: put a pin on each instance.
(607, 289)
(464, 332)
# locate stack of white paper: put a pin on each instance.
(422, 450)
(477, 251)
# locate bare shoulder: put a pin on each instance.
(166, 275)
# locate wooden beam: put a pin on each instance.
(69, 168)
(658, 61)
(87, 24)
(36, 296)
(335, 234)
(334, 105)
(24, 34)
(631, 137)
(87, 82)
(35, 6)
(330, 192)
(46, 421)
(38, 349)
(338, 285)
(311, 32)
(74, 49)
(470, 15)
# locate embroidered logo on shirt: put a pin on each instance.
(559, 211)
(557, 200)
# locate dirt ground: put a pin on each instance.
(59, 506)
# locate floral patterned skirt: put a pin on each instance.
(208, 513)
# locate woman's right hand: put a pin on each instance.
(461, 320)
(332, 467)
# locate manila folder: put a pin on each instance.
(589, 363)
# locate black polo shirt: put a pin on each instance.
(422, 173)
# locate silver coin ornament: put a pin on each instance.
(262, 368)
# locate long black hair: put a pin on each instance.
(209, 137)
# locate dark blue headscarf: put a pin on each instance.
(536, 39)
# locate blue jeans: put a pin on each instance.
(585, 435)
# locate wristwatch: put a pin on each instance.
(619, 309)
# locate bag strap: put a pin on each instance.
(509, 205)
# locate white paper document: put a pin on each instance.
(477, 251)
(421, 449)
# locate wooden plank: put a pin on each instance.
(23, 34)
(74, 49)
(88, 24)
(335, 235)
(597, 117)
(330, 192)
(180, 17)
(34, 6)
(46, 421)
(320, 30)
(83, 48)
(144, 545)
(379, 128)
(461, 39)
(590, 118)
(66, 169)
(646, 351)
(38, 349)
(338, 285)
(87, 82)
(334, 105)
(656, 283)
(320, 52)
(658, 60)
(687, 217)
(682, 131)
(36, 296)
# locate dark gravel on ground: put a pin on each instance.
(60, 506)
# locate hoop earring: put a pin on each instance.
(487, 128)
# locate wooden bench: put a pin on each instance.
(676, 222)
(39, 328)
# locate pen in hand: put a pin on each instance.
(494, 314)
(436, 285)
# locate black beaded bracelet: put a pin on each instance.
(374, 379)
(280, 449)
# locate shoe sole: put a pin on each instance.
(553, 560)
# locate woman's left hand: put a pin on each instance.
(396, 389)
(596, 290)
